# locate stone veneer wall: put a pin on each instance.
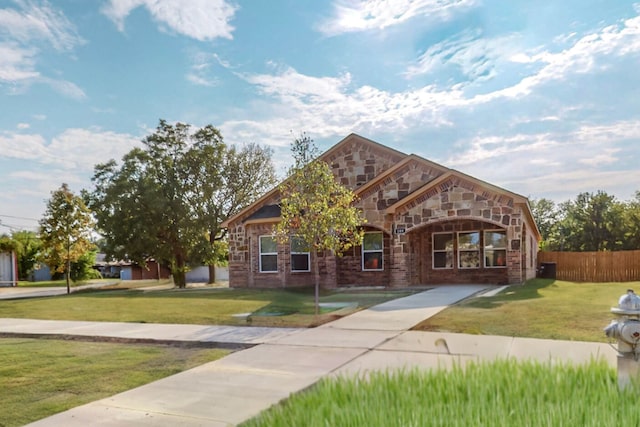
(456, 200)
(356, 163)
(400, 184)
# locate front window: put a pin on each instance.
(469, 249)
(268, 254)
(443, 250)
(495, 248)
(299, 254)
(372, 251)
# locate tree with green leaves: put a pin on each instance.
(588, 222)
(545, 214)
(166, 200)
(316, 209)
(65, 230)
(28, 251)
(243, 175)
(7, 244)
(630, 232)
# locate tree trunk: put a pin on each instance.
(68, 264)
(68, 276)
(178, 272)
(316, 278)
(212, 267)
(179, 279)
(212, 274)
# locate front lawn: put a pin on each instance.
(39, 378)
(500, 393)
(287, 308)
(542, 308)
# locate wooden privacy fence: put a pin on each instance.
(619, 266)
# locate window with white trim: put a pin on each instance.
(443, 250)
(372, 248)
(300, 257)
(268, 254)
(469, 249)
(495, 248)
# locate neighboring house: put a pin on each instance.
(127, 270)
(201, 274)
(41, 273)
(426, 224)
(8, 269)
(153, 271)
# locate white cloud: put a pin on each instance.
(606, 157)
(335, 106)
(561, 163)
(17, 64)
(69, 157)
(199, 19)
(583, 144)
(21, 146)
(580, 58)
(23, 30)
(66, 88)
(363, 15)
(74, 149)
(23, 126)
(474, 55)
(39, 22)
(200, 72)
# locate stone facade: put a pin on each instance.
(407, 200)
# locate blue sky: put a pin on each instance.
(541, 98)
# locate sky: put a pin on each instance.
(541, 98)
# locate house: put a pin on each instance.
(41, 273)
(426, 224)
(128, 270)
(152, 271)
(8, 268)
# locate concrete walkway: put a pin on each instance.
(241, 385)
(19, 292)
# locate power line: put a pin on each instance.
(18, 217)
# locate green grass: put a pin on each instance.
(542, 308)
(190, 306)
(109, 283)
(39, 378)
(501, 393)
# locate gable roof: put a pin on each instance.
(397, 168)
(349, 139)
(353, 137)
(453, 177)
(262, 211)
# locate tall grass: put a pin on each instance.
(500, 393)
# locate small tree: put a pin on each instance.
(317, 209)
(28, 251)
(65, 231)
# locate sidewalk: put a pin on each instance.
(16, 292)
(241, 385)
